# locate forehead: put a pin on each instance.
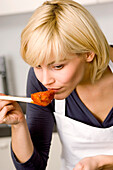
(58, 59)
(53, 59)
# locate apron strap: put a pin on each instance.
(111, 65)
(60, 106)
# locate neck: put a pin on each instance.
(88, 84)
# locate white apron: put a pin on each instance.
(80, 140)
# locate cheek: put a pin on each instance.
(39, 77)
(65, 77)
(72, 77)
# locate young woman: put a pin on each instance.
(70, 55)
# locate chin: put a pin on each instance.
(60, 96)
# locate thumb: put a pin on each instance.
(78, 166)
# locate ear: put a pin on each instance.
(89, 56)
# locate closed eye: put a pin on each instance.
(38, 67)
(58, 67)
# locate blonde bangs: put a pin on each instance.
(43, 49)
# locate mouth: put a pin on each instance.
(54, 89)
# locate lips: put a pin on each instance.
(54, 89)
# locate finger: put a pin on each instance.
(4, 112)
(4, 103)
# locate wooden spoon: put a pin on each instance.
(42, 98)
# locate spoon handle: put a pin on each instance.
(14, 98)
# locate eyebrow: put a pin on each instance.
(51, 63)
(55, 61)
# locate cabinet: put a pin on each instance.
(54, 162)
(22, 6)
(5, 156)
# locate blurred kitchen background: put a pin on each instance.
(14, 16)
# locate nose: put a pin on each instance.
(47, 78)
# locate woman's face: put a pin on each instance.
(63, 76)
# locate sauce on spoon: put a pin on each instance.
(43, 98)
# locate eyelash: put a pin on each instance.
(38, 67)
(58, 67)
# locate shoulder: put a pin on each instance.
(111, 66)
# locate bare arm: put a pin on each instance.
(100, 162)
(21, 139)
(11, 113)
(111, 53)
(106, 162)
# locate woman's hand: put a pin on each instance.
(88, 163)
(10, 112)
(99, 162)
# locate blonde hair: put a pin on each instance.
(64, 27)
